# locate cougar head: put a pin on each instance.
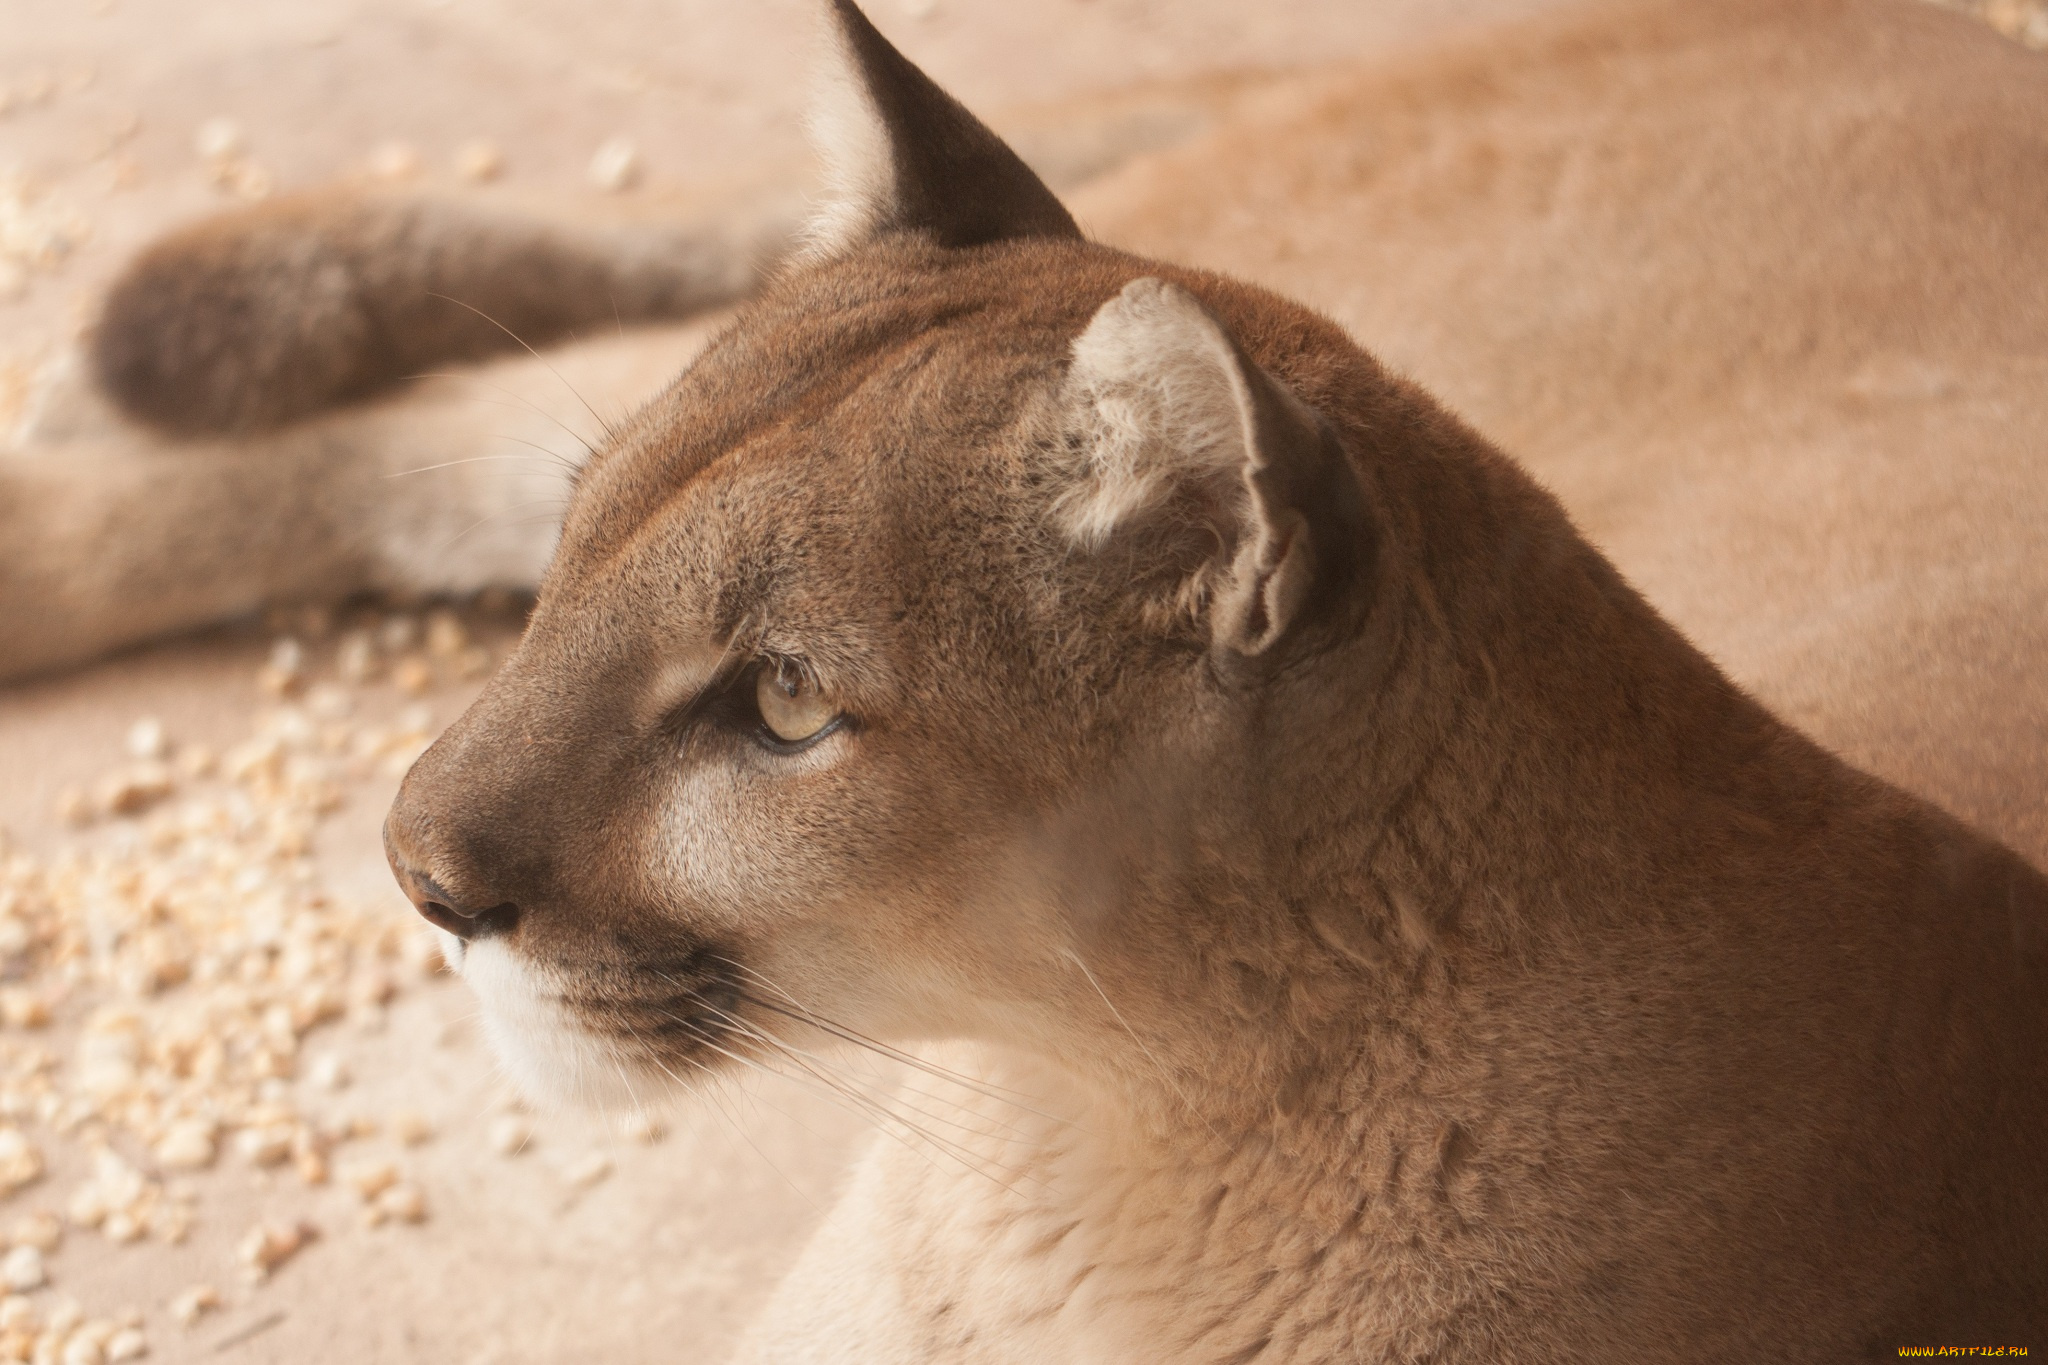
(912, 649)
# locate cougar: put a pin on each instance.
(1355, 924)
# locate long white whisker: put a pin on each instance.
(1152, 1056)
(805, 1014)
(710, 1091)
(603, 425)
(814, 1060)
(872, 1108)
(476, 459)
(519, 401)
(569, 466)
(987, 1090)
(493, 516)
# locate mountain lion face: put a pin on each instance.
(920, 628)
(841, 635)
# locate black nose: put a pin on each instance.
(444, 911)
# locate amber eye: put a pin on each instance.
(793, 708)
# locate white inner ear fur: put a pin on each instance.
(1166, 402)
(851, 140)
(1157, 386)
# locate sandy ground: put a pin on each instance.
(661, 1256)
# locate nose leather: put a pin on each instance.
(446, 911)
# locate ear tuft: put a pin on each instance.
(901, 155)
(1227, 484)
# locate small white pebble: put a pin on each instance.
(127, 1344)
(355, 658)
(287, 654)
(266, 1247)
(328, 1072)
(187, 1145)
(194, 1303)
(311, 1166)
(83, 1350)
(616, 165)
(264, 1146)
(510, 1135)
(403, 1203)
(22, 1270)
(285, 671)
(218, 139)
(370, 1178)
(588, 1170)
(21, 1161)
(17, 1313)
(146, 739)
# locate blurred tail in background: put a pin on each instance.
(255, 319)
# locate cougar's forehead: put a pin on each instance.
(849, 443)
(899, 365)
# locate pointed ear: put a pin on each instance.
(1236, 502)
(903, 155)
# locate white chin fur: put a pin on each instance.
(546, 1053)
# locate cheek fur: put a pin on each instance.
(729, 840)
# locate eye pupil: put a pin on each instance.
(792, 707)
